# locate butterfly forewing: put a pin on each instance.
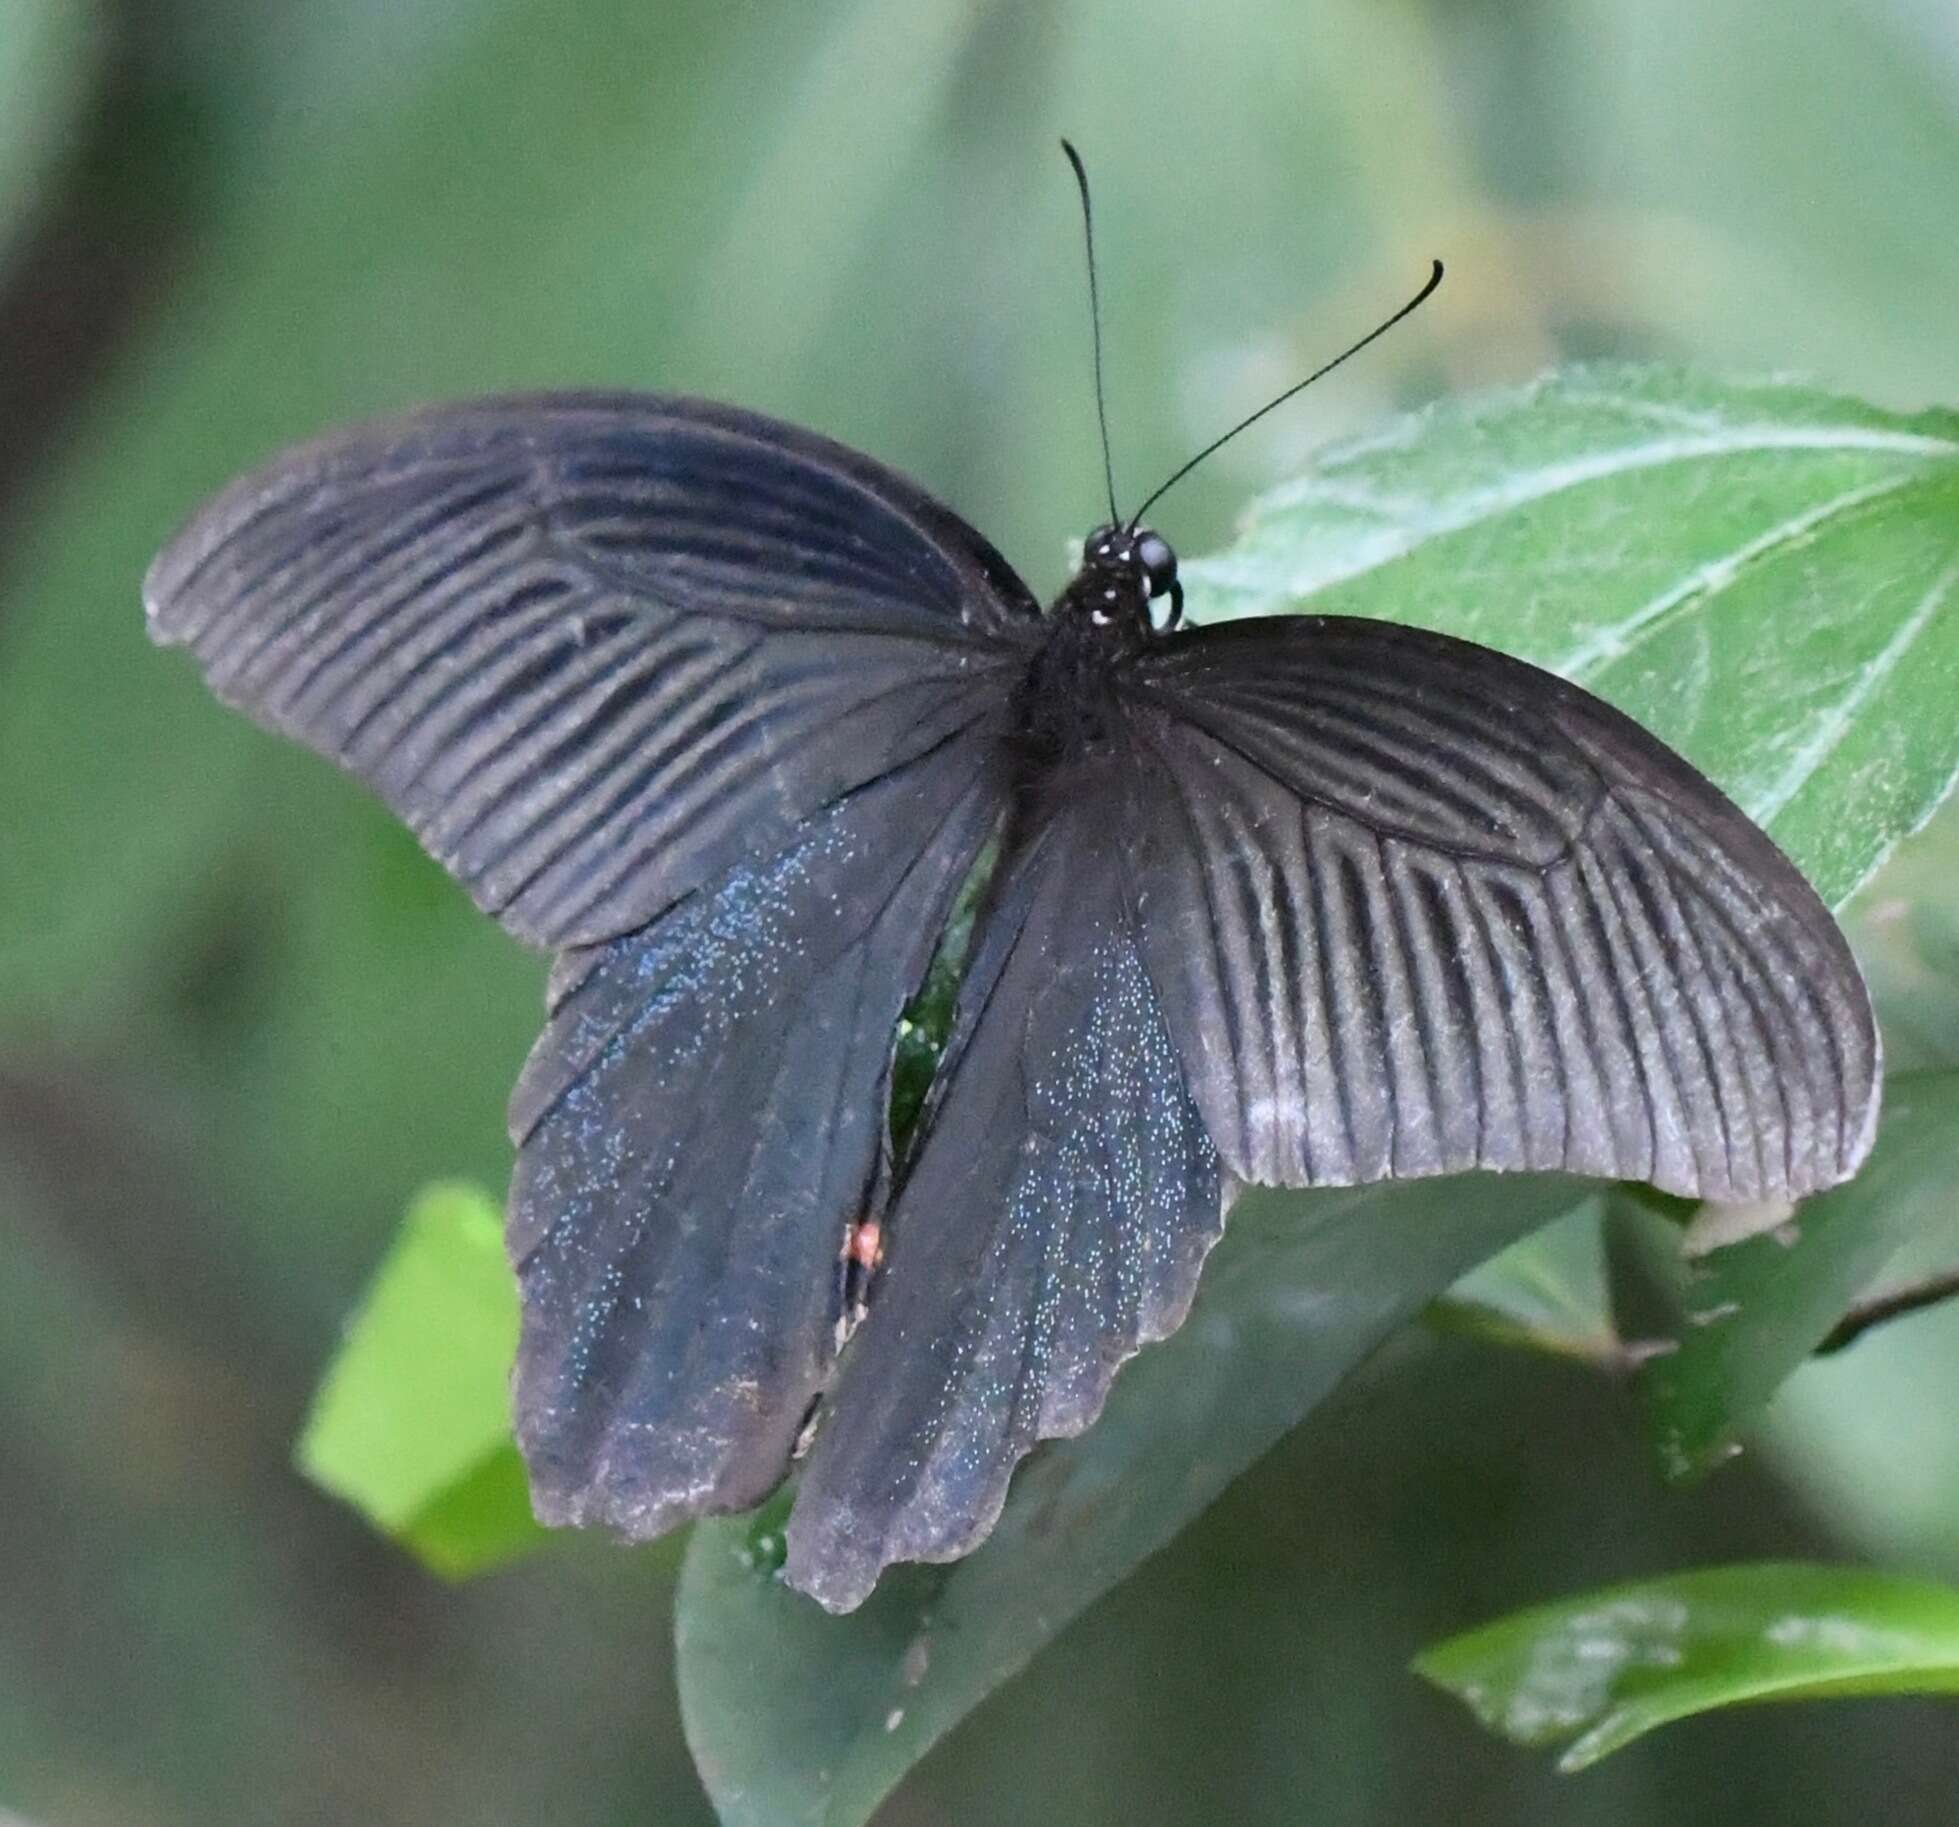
(593, 649)
(1415, 907)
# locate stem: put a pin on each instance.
(1894, 1305)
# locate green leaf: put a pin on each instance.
(412, 1423)
(1875, 1461)
(1595, 1672)
(1548, 1292)
(1759, 573)
(1905, 929)
(1757, 1309)
(482, 1520)
(796, 1716)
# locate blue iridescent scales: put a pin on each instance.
(723, 712)
(698, 1127)
(1054, 1220)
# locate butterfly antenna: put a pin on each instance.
(1216, 444)
(1095, 324)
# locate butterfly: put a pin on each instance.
(726, 715)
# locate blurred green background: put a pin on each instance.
(241, 1018)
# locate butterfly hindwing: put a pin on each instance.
(594, 649)
(1053, 1219)
(698, 1127)
(1415, 907)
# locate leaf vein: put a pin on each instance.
(1835, 724)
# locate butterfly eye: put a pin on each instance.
(1158, 561)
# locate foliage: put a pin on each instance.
(1758, 1307)
(241, 1017)
(412, 1425)
(1646, 531)
(1596, 1672)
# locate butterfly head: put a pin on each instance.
(1125, 569)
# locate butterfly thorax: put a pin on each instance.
(1067, 700)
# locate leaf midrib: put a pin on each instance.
(1406, 527)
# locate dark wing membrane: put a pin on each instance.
(592, 648)
(1415, 907)
(1054, 1220)
(698, 1127)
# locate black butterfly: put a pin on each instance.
(724, 713)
